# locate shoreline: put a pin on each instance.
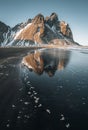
(45, 46)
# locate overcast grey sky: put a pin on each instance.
(74, 12)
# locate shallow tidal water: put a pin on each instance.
(46, 89)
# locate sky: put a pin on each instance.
(74, 12)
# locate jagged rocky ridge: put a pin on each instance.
(40, 30)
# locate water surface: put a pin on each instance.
(49, 92)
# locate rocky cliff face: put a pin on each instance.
(40, 30)
(65, 30)
(33, 31)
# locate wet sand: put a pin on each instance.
(10, 85)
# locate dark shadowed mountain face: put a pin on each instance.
(39, 30)
(3, 29)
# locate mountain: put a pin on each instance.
(37, 31)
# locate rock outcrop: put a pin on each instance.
(33, 31)
(52, 20)
(65, 29)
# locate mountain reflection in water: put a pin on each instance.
(48, 61)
